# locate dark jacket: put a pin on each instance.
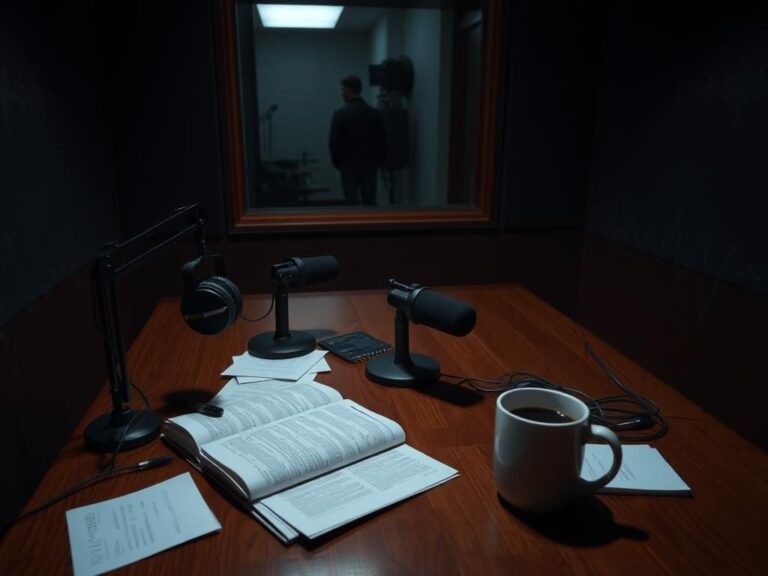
(357, 140)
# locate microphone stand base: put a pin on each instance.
(267, 346)
(421, 371)
(103, 434)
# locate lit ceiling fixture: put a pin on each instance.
(298, 15)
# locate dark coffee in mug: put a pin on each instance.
(545, 415)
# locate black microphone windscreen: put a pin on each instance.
(443, 313)
(318, 269)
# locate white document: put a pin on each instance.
(320, 505)
(321, 366)
(283, 369)
(117, 532)
(643, 470)
(233, 390)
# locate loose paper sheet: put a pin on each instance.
(117, 532)
(321, 366)
(643, 470)
(284, 369)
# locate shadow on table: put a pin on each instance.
(451, 393)
(183, 401)
(586, 523)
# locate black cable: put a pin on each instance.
(111, 464)
(267, 313)
(628, 414)
(94, 479)
(650, 415)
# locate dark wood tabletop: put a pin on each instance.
(460, 527)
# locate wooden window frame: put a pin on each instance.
(313, 218)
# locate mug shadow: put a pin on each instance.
(586, 523)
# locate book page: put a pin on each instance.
(320, 505)
(242, 411)
(265, 460)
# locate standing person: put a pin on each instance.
(357, 143)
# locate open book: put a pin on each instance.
(303, 459)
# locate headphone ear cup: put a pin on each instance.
(210, 307)
(234, 292)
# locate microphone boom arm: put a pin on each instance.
(124, 428)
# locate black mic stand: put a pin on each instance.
(124, 428)
(283, 343)
(402, 369)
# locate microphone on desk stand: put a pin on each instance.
(420, 305)
(291, 272)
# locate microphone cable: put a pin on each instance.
(267, 313)
(94, 479)
(628, 414)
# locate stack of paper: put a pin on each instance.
(247, 369)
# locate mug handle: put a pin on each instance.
(597, 431)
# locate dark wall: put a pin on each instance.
(704, 337)
(57, 202)
(160, 89)
(57, 209)
(675, 259)
(679, 168)
(552, 66)
(160, 82)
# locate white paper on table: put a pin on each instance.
(117, 532)
(283, 369)
(321, 366)
(643, 470)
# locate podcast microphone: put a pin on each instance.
(418, 304)
(302, 271)
(268, 112)
(423, 306)
(291, 272)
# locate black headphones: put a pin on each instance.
(213, 304)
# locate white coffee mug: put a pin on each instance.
(537, 455)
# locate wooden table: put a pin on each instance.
(460, 527)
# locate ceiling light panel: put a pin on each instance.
(298, 15)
